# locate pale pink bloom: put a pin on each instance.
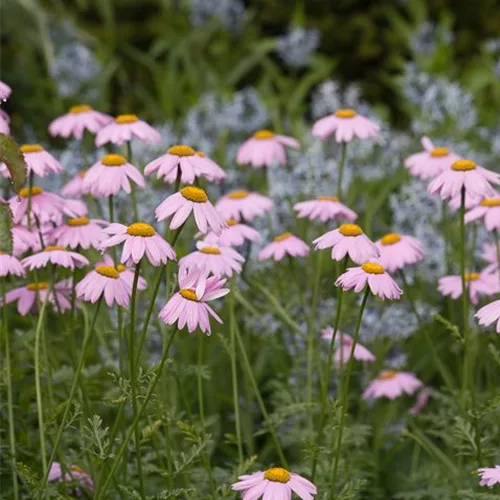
(110, 174)
(430, 162)
(284, 244)
(74, 475)
(25, 296)
(345, 124)
(139, 239)
(24, 239)
(74, 188)
(73, 208)
(211, 171)
(488, 314)
(45, 206)
(421, 402)
(243, 205)
(489, 476)
(478, 284)
(398, 251)
(5, 91)
(234, 235)
(190, 199)
(323, 209)
(490, 254)
(4, 171)
(188, 307)
(465, 174)
(350, 240)
(10, 266)
(39, 161)
(107, 281)
(126, 273)
(4, 125)
(274, 484)
(124, 128)
(79, 232)
(470, 201)
(264, 149)
(79, 119)
(211, 258)
(343, 352)
(392, 384)
(489, 209)
(373, 274)
(56, 255)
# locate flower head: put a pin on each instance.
(489, 476)
(274, 483)
(125, 128)
(392, 384)
(74, 475)
(45, 206)
(284, 244)
(24, 239)
(39, 161)
(264, 149)
(350, 240)
(398, 251)
(241, 204)
(324, 208)
(477, 283)
(5, 91)
(79, 232)
(343, 352)
(74, 188)
(127, 273)
(345, 124)
(79, 119)
(10, 266)
(234, 235)
(56, 255)
(488, 210)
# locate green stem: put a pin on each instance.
(201, 406)
(111, 208)
(465, 300)
(343, 157)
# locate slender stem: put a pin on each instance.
(74, 384)
(201, 406)
(345, 390)
(260, 401)
(111, 208)
(10, 405)
(343, 157)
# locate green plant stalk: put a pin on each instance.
(111, 208)
(343, 158)
(10, 405)
(201, 406)
(345, 390)
(74, 384)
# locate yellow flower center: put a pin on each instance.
(283, 236)
(328, 198)
(491, 202)
(373, 268)
(35, 190)
(126, 119)
(277, 475)
(390, 239)
(472, 276)
(231, 222)
(345, 113)
(78, 221)
(41, 285)
(79, 108)
(113, 160)
(201, 154)
(188, 294)
(387, 374)
(238, 195)
(210, 250)
(263, 134)
(194, 194)
(141, 229)
(438, 152)
(350, 230)
(120, 268)
(463, 165)
(107, 271)
(76, 468)
(54, 248)
(31, 148)
(180, 150)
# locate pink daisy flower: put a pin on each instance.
(188, 307)
(24, 239)
(235, 235)
(10, 266)
(107, 281)
(124, 128)
(109, 175)
(79, 232)
(126, 273)
(488, 314)
(478, 284)
(490, 254)
(4, 125)
(464, 174)
(350, 240)
(74, 475)
(74, 188)
(211, 258)
(284, 244)
(392, 384)
(212, 171)
(343, 352)
(265, 149)
(398, 251)
(39, 161)
(5, 91)
(44, 205)
(421, 402)
(140, 239)
(489, 476)
(489, 209)
(25, 296)
(345, 124)
(273, 484)
(190, 199)
(56, 255)
(430, 162)
(323, 209)
(79, 119)
(244, 205)
(374, 274)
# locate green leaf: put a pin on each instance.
(5, 228)
(14, 159)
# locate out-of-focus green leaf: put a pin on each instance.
(5, 228)
(14, 159)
